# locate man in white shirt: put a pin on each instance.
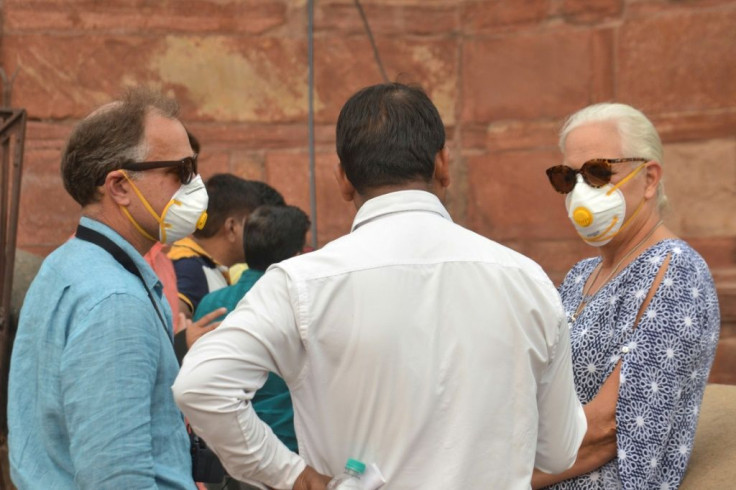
(412, 343)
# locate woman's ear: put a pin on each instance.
(347, 191)
(653, 176)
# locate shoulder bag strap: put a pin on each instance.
(92, 236)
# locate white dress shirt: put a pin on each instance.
(412, 343)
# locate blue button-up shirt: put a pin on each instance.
(89, 403)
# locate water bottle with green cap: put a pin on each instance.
(350, 478)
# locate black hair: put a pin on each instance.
(231, 196)
(267, 194)
(389, 134)
(273, 234)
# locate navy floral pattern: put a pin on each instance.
(666, 361)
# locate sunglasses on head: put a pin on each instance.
(187, 167)
(596, 173)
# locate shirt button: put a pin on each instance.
(625, 349)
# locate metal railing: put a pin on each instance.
(12, 139)
(12, 142)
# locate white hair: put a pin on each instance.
(639, 138)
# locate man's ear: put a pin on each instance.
(347, 191)
(442, 168)
(653, 175)
(230, 228)
(117, 187)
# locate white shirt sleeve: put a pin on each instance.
(223, 370)
(562, 422)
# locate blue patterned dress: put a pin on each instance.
(666, 360)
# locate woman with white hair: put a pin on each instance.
(643, 314)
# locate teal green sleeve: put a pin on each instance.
(209, 304)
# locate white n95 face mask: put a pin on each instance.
(185, 212)
(598, 213)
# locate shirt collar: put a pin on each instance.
(187, 247)
(150, 277)
(249, 275)
(399, 202)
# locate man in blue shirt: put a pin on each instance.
(90, 404)
(271, 234)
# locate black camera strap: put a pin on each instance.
(205, 465)
(92, 236)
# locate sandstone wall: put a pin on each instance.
(503, 74)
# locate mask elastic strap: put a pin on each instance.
(602, 236)
(137, 226)
(165, 226)
(626, 179)
(145, 205)
(626, 223)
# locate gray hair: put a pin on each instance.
(639, 138)
(107, 139)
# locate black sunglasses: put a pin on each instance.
(187, 167)
(596, 173)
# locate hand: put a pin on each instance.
(194, 330)
(309, 479)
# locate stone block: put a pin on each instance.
(346, 65)
(482, 15)
(47, 135)
(248, 165)
(182, 16)
(680, 127)
(725, 280)
(520, 135)
(421, 19)
(602, 68)
(591, 11)
(718, 251)
(700, 181)
(724, 365)
(213, 161)
(64, 77)
(235, 79)
(546, 74)
(651, 8)
(678, 62)
(216, 78)
(474, 136)
(511, 199)
(387, 18)
(254, 136)
(289, 173)
(47, 215)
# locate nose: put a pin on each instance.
(578, 179)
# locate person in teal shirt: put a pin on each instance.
(271, 234)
